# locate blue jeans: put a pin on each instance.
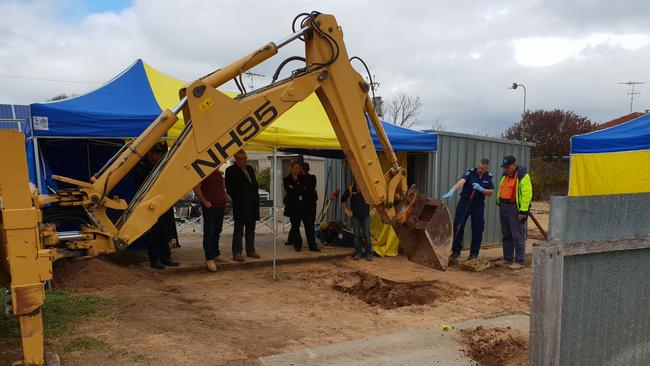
(361, 228)
(463, 212)
(514, 234)
(212, 225)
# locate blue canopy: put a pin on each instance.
(401, 139)
(123, 107)
(631, 136)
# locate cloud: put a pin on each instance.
(548, 51)
(458, 57)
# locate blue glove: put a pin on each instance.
(477, 187)
(448, 195)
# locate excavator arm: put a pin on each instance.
(216, 127)
(219, 126)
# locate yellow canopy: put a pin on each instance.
(304, 126)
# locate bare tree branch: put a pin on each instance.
(403, 110)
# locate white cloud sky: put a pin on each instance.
(459, 57)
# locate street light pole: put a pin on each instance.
(523, 116)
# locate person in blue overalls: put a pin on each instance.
(476, 183)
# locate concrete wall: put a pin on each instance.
(590, 288)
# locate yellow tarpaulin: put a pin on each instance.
(609, 173)
(304, 126)
(384, 240)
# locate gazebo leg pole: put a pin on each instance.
(274, 196)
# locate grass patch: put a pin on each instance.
(61, 311)
(123, 353)
(84, 343)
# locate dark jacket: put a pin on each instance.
(294, 190)
(244, 194)
(309, 183)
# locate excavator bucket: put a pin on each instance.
(424, 229)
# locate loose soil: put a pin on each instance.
(495, 346)
(235, 317)
(388, 294)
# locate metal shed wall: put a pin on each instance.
(459, 152)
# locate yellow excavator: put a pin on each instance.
(216, 127)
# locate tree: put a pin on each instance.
(551, 131)
(60, 97)
(438, 125)
(403, 109)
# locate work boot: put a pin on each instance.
(171, 263)
(453, 258)
(502, 263)
(315, 249)
(239, 258)
(157, 265)
(357, 256)
(472, 256)
(516, 266)
(253, 255)
(212, 267)
(370, 257)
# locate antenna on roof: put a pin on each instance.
(253, 75)
(632, 93)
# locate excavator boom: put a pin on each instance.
(217, 126)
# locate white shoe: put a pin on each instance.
(516, 266)
(212, 267)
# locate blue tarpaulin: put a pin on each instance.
(630, 136)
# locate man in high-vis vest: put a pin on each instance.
(514, 196)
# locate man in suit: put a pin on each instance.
(308, 208)
(241, 185)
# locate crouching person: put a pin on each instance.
(360, 217)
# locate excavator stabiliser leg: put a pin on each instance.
(424, 229)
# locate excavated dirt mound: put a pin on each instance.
(388, 294)
(94, 274)
(495, 346)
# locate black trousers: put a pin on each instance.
(294, 233)
(306, 215)
(212, 226)
(238, 234)
(158, 238)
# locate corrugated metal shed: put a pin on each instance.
(435, 172)
(458, 152)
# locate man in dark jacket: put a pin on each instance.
(360, 217)
(308, 207)
(514, 196)
(164, 230)
(241, 185)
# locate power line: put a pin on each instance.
(632, 93)
(49, 80)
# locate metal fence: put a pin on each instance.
(12, 124)
(590, 289)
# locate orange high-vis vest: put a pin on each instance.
(508, 188)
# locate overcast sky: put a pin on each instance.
(458, 56)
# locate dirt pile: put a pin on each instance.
(93, 274)
(387, 294)
(495, 346)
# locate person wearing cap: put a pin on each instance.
(308, 208)
(163, 232)
(514, 196)
(476, 183)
